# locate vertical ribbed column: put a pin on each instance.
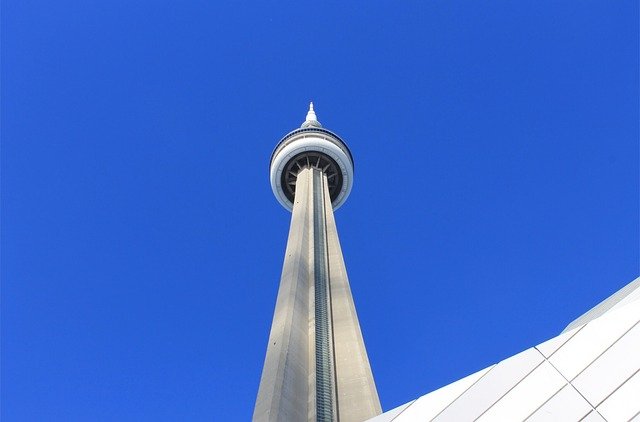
(357, 397)
(323, 335)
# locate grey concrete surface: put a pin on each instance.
(287, 389)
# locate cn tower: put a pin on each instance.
(316, 367)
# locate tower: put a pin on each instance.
(316, 366)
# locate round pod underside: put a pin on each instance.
(311, 148)
(312, 159)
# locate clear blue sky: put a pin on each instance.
(495, 198)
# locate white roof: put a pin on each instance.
(590, 372)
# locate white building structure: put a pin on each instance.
(590, 372)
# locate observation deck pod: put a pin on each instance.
(311, 146)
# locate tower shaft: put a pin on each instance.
(316, 367)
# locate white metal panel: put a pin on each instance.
(488, 390)
(582, 352)
(549, 347)
(631, 297)
(390, 415)
(566, 405)
(611, 369)
(593, 339)
(624, 404)
(428, 406)
(527, 396)
(594, 416)
(620, 298)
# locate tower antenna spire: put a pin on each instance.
(312, 119)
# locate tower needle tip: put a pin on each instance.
(312, 119)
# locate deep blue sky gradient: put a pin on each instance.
(496, 194)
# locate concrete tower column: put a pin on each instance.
(316, 367)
